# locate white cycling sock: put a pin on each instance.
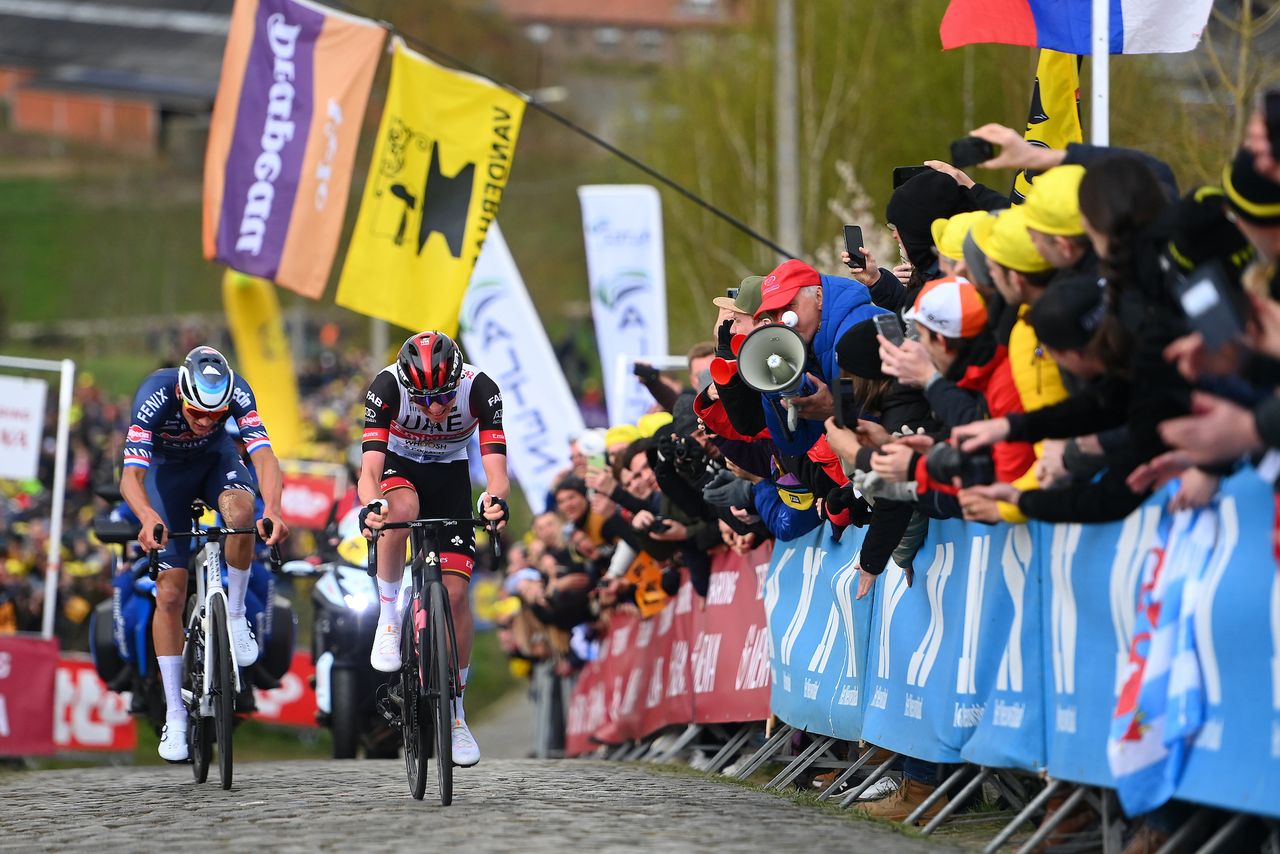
(171, 676)
(458, 713)
(237, 586)
(388, 594)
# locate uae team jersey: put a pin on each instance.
(397, 423)
(159, 428)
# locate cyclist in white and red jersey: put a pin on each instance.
(420, 414)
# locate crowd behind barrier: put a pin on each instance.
(1010, 648)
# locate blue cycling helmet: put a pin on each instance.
(205, 380)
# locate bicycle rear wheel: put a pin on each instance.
(223, 689)
(440, 689)
(199, 732)
(412, 724)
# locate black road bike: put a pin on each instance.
(420, 700)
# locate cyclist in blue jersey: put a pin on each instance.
(177, 450)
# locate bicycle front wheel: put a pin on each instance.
(440, 689)
(413, 726)
(223, 689)
(199, 734)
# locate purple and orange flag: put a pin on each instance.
(282, 143)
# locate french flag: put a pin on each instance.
(1136, 26)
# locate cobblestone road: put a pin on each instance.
(500, 805)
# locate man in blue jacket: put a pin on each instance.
(822, 309)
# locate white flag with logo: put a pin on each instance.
(622, 226)
(21, 426)
(504, 337)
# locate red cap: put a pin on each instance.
(781, 285)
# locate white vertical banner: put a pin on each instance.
(503, 336)
(622, 227)
(21, 426)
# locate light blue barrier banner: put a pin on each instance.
(819, 633)
(1012, 645)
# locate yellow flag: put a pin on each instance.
(440, 164)
(262, 356)
(1054, 117)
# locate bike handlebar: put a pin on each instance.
(213, 535)
(495, 547)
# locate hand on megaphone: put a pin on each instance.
(819, 405)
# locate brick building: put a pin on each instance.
(136, 76)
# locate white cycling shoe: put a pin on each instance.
(173, 740)
(465, 750)
(243, 644)
(385, 655)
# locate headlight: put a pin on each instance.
(357, 601)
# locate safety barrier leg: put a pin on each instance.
(954, 803)
(731, 747)
(1112, 823)
(1191, 826)
(618, 751)
(1030, 809)
(936, 795)
(806, 758)
(641, 748)
(853, 793)
(681, 742)
(1010, 789)
(1224, 834)
(765, 752)
(1053, 821)
(846, 774)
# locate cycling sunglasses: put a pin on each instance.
(204, 414)
(442, 398)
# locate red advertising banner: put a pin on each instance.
(307, 496)
(294, 702)
(28, 668)
(86, 716)
(731, 646)
(698, 660)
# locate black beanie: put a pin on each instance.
(1202, 233)
(1068, 313)
(1252, 195)
(858, 351)
(916, 204)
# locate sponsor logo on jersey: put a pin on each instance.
(375, 435)
(375, 400)
(250, 419)
(137, 434)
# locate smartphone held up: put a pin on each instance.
(853, 245)
(970, 151)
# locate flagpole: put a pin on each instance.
(1099, 115)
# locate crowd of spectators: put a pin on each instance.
(1055, 360)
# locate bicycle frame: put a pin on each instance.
(208, 587)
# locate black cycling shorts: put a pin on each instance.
(444, 491)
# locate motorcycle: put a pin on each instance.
(345, 609)
(120, 634)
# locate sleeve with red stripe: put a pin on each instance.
(381, 405)
(486, 405)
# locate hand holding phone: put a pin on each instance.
(853, 245)
(840, 391)
(970, 151)
(888, 326)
